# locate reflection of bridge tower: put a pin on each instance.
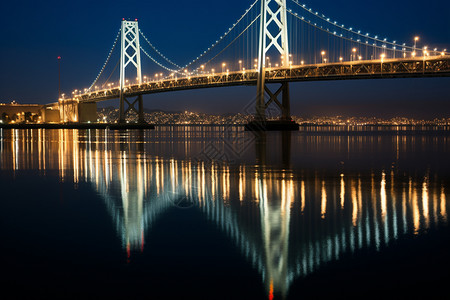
(273, 34)
(130, 52)
(132, 191)
(275, 223)
(261, 148)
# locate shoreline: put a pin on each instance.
(304, 129)
(78, 126)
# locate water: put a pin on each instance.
(219, 213)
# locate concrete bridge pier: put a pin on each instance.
(71, 112)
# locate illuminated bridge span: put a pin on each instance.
(273, 42)
(392, 68)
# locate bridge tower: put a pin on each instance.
(130, 53)
(273, 34)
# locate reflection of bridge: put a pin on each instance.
(286, 224)
(293, 43)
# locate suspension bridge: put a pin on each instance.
(273, 42)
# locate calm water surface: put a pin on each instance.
(215, 212)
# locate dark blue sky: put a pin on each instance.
(82, 32)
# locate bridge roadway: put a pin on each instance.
(435, 66)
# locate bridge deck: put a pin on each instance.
(437, 66)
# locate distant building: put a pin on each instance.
(20, 113)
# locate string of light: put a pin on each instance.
(341, 36)
(107, 60)
(222, 37)
(350, 29)
(251, 23)
(157, 51)
(158, 63)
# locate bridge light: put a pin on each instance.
(341, 59)
(415, 41)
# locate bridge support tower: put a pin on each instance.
(273, 34)
(130, 53)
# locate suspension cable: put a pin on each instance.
(109, 77)
(157, 51)
(350, 30)
(107, 60)
(222, 37)
(158, 63)
(233, 40)
(340, 36)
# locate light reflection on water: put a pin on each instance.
(328, 196)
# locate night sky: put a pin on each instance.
(82, 32)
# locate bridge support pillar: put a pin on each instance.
(131, 107)
(285, 123)
(286, 103)
(273, 34)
